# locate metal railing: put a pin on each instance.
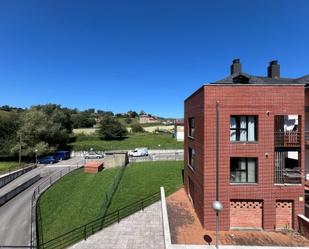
(306, 137)
(38, 191)
(287, 139)
(111, 190)
(159, 156)
(288, 176)
(84, 231)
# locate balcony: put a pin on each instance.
(287, 139)
(287, 167)
(306, 137)
(288, 176)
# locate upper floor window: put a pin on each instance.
(192, 158)
(243, 170)
(243, 128)
(191, 127)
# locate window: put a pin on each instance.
(192, 158)
(191, 127)
(243, 128)
(191, 189)
(243, 170)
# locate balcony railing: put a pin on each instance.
(287, 139)
(307, 137)
(288, 176)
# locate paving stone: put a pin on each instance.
(142, 230)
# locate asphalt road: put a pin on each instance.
(15, 214)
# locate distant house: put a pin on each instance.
(179, 130)
(146, 119)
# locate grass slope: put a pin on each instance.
(151, 141)
(6, 166)
(143, 179)
(77, 198)
(74, 200)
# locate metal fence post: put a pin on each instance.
(143, 204)
(85, 233)
(118, 218)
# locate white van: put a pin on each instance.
(138, 152)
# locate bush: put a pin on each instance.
(136, 128)
(111, 129)
(128, 120)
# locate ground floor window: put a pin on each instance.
(191, 189)
(192, 158)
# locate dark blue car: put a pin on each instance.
(48, 160)
(62, 155)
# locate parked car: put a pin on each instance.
(62, 155)
(47, 160)
(93, 155)
(138, 152)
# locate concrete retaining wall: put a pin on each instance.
(114, 159)
(8, 196)
(5, 179)
(82, 153)
(303, 226)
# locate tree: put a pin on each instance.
(105, 113)
(90, 110)
(136, 128)
(83, 120)
(128, 120)
(142, 113)
(132, 114)
(41, 132)
(9, 123)
(111, 129)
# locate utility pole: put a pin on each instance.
(19, 150)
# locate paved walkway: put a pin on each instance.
(185, 228)
(142, 230)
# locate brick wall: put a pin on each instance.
(246, 214)
(303, 226)
(284, 214)
(194, 107)
(264, 101)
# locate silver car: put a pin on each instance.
(93, 155)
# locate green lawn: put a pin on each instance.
(77, 198)
(6, 166)
(74, 200)
(143, 179)
(151, 141)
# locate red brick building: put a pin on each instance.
(261, 150)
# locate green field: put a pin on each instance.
(151, 141)
(74, 200)
(143, 179)
(78, 197)
(7, 166)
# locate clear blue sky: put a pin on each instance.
(150, 55)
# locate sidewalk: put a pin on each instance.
(186, 229)
(142, 230)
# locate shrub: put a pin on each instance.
(136, 128)
(111, 129)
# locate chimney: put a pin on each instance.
(274, 70)
(236, 66)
